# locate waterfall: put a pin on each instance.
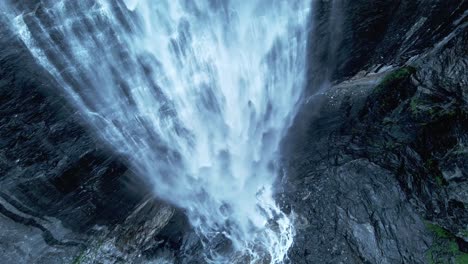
(196, 95)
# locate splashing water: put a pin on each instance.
(197, 95)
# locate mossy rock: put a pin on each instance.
(394, 77)
(444, 248)
(427, 110)
(392, 90)
(438, 231)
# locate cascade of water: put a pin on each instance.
(197, 95)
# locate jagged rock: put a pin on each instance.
(377, 171)
(62, 192)
(381, 153)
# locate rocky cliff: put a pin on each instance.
(376, 161)
(64, 197)
(377, 158)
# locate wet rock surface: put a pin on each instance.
(356, 213)
(62, 192)
(376, 163)
(377, 173)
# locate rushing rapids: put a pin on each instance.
(196, 95)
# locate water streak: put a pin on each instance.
(197, 95)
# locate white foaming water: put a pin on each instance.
(197, 95)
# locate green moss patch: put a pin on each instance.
(438, 231)
(392, 90)
(444, 248)
(394, 77)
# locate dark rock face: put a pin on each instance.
(61, 191)
(376, 161)
(356, 213)
(350, 36)
(378, 173)
(48, 160)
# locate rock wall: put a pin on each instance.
(377, 160)
(62, 192)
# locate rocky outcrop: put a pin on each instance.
(376, 160)
(378, 171)
(62, 192)
(350, 36)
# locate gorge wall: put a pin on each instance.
(375, 162)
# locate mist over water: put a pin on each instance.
(196, 95)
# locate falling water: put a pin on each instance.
(197, 96)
